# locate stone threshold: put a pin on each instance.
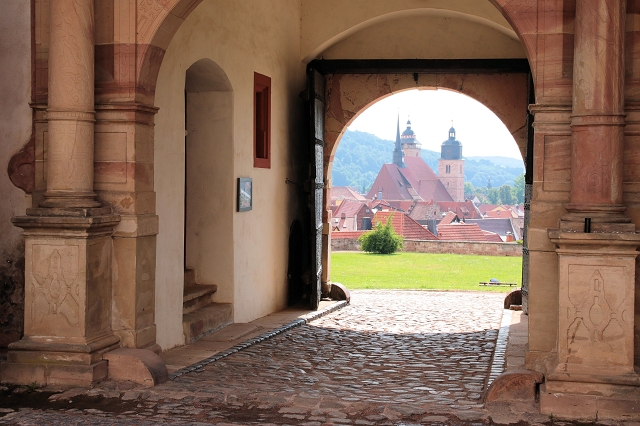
(262, 323)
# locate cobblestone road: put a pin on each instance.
(388, 358)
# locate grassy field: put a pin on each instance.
(358, 270)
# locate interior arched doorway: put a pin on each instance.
(506, 92)
(195, 202)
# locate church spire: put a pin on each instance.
(398, 155)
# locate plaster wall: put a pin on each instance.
(210, 185)
(416, 36)
(241, 38)
(326, 23)
(15, 132)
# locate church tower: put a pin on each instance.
(451, 166)
(398, 155)
(410, 145)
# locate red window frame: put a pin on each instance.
(261, 121)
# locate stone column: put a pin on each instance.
(598, 112)
(70, 113)
(68, 240)
(597, 244)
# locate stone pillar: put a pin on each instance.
(597, 244)
(597, 122)
(68, 240)
(124, 166)
(70, 113)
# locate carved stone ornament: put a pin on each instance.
(53, 289)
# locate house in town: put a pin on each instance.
(500, 226)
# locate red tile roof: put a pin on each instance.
(349, 207)
(486, 207)
(492, 237)
(498, 226)
(415, 181)
(404, 205)
(448, 218)
(501, 214)
(344, 193)
(464, 209)
(461, 232)
(404, 225)
(423, 210)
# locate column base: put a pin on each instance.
(53, 374)
(61, 364)
(68, 298)
(594, 376)
(590, 401)
(139, 339)
(61, 199)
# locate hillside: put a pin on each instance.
(360, 156)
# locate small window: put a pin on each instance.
(448, 169)
(261, 121)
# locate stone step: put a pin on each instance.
(197, 296)
(189, 277)
(205, 320)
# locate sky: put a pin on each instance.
(431, 111)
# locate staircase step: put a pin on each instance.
(189, 277)
(196, 296)
(205, 320)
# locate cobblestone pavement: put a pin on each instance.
(390, 358)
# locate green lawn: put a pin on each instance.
(357, 270)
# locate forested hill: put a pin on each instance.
(360, 156)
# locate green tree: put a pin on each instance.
(493, 195)
(382, 239)
(469, 190)
(505, 195)
(518, 188)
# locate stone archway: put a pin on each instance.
(348, 95)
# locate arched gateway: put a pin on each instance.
(94, 234)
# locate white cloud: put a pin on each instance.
(431, 111)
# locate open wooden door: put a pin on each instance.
(316, 180)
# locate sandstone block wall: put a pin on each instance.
(452, 247)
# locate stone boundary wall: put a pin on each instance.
(451, 247)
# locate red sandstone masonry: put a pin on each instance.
(449, 247)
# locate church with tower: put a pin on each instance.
(451, 166)
(410, 178)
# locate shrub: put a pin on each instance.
(382, 239)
